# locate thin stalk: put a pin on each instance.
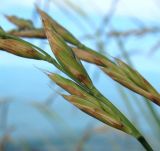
(127, 102)
(144, 143)
(154, 113)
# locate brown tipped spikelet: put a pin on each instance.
(20, 49)
(134, 76)
(92, 57)
(31, 33)
(65, 55)
(67, 85)
(67, 36)
(74, 89)
(71, 87)
(131, 79)
(20, 23)
(95, 111)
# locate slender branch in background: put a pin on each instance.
(66, 12)
(137, 22)
(104, 23)
(78, 9)
(87, 134)
(155, 48)
(107, 19)
(134, 32)
(51, 98)
(4, 115)
(4, 129)
(128, 105)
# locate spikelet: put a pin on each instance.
(95, 111)
(65, 55)
(20, 22)
(20, 49)
(63, 32)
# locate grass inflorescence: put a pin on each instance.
(82, 92)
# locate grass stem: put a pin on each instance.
(144, 143)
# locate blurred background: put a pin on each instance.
(33, 117)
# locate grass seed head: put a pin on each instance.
(65, 55)
(94, 111)
(20, 23)
(74, 89)
(93, 57)
(67, 36)
(20, 49)
(135, 77)
(67, 84)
